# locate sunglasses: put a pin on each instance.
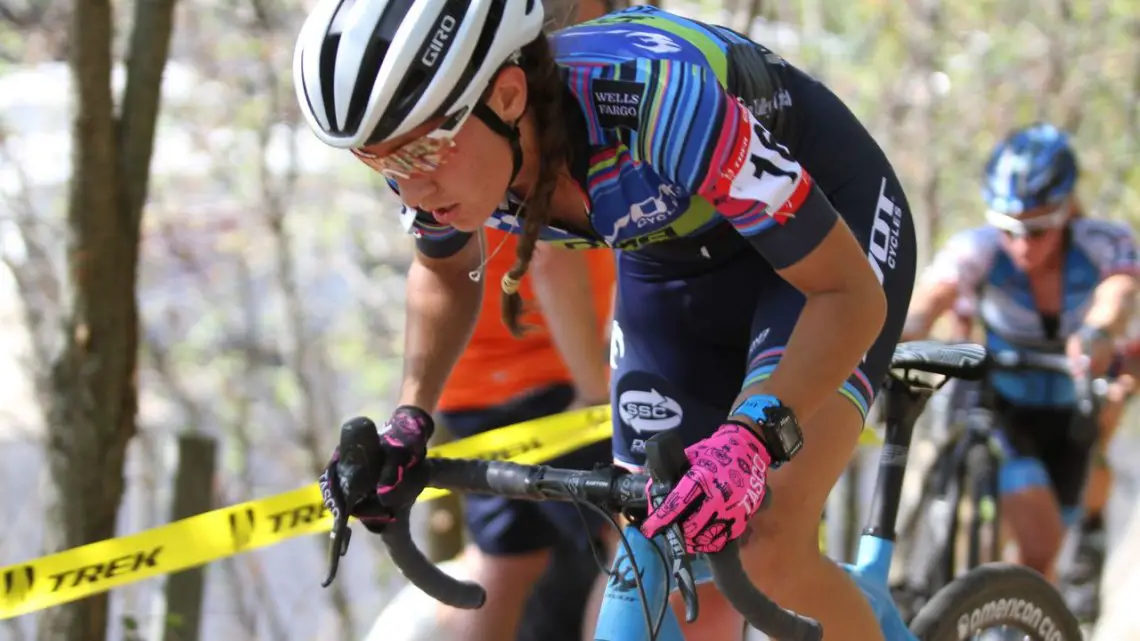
(420, 156)
(1035, 227)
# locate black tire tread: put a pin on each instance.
(938, 619)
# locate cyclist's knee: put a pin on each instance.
(1037, 553)
(779, 546)
(1037, 525)
(506, 572)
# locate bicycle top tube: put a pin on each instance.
(609, 489)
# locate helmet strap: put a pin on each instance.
(510, 132)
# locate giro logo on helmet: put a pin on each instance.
(441, 37)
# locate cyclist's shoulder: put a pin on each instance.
(965, 256)
(1086, 229)
(1106, 243)
(639, 32)
(617, 65)
(647, 39)
(975, 241)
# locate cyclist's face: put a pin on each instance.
(461, 182)
(1040, 242)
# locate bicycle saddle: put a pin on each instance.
(966, 361)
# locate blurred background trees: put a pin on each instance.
(267, 269)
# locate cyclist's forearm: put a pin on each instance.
(1113, 304)
(442, 305)
(822, 351)
(562, 285)
(930, 302)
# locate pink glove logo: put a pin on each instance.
(757, 484)
(723, 488)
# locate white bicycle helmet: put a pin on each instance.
(366, 71)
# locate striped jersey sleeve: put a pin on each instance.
(694, 134)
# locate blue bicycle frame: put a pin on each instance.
(623, 616)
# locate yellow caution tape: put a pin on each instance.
(90, 569)
(97, 567)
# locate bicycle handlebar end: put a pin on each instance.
(436, 583)
(760, 611)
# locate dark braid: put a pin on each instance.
(544, 99)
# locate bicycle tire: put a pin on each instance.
(997, 594)
(982, 483)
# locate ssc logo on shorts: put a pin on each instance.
(649, 411)
(644, 405)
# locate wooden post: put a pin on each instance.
(193, 494)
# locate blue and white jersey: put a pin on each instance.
(993, 290)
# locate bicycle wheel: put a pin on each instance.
(982, 481)
(991, 602)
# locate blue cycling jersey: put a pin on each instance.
(676, 126)
(992, 289)
(689, 145)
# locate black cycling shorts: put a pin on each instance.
(500, 526)
(698, 318)
(1045, 448)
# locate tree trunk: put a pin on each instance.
(90, 397)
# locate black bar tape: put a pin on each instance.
(760, 611)
(424, 574)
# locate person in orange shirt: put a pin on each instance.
(559, 364)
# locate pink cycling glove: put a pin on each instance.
(723, 488)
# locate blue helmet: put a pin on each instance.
(1033, 167)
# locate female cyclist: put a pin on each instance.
(533, 558)
(1040, 276)
(766, 253)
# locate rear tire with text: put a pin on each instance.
(992, 595)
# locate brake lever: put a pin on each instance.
(341, 535)
(360, 454)
(666, 463)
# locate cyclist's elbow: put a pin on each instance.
(869, 305)
(861, 312)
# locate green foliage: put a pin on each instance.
(131, 630)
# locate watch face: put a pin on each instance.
(788, 438)
(788, 432)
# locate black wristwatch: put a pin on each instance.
(777, 425)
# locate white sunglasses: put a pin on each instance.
(420, 156)
(1021, 228)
